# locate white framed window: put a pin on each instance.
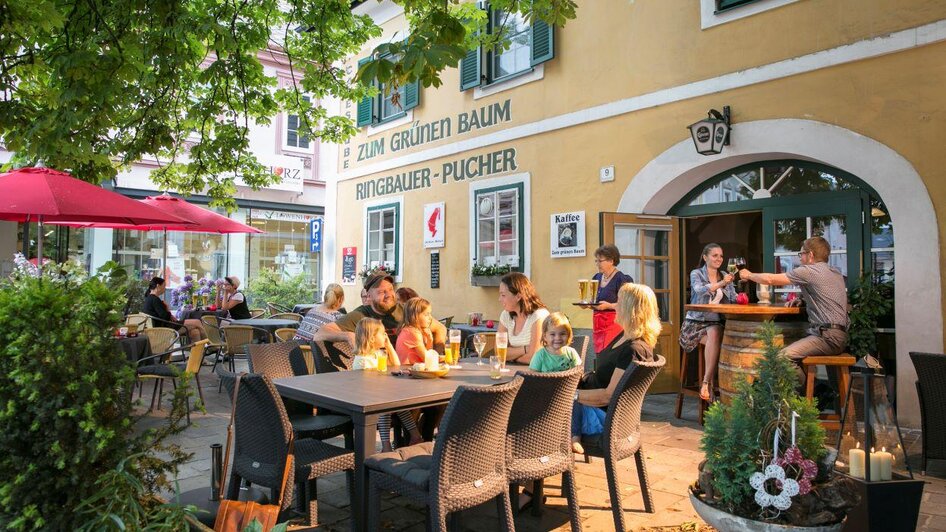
(716, 12)
(499, 222)
(388, 109)
(383, 229)
(517, 57)
(293, 138)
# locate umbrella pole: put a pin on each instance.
(26, 237)
(39, 242)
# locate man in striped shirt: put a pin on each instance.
(825, 296)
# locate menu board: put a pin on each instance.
(349, 261)
(435, 269)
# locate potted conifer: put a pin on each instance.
(765, 457)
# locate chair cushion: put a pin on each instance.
(409, 464)
(159, 370)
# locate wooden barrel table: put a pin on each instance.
(741, 347)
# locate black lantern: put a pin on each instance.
(711, 133)
(870, 450)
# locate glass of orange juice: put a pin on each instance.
(448, 354)
(382, 358)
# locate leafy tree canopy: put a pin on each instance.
(91, 86)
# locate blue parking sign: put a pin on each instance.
(315, 235)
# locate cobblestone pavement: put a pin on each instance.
(671, 447)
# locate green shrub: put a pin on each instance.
(270, 287)
(65, 421)
(737, 438)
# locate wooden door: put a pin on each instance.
(650, 253)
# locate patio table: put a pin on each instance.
(467, 331)
(267, 323)
(135, 347)
(364, 395)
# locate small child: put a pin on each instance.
(371, 341)
(556, 353)
(414, 338)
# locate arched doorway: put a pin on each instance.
(671, 176)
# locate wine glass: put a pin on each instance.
(731, 266)
(479, 343)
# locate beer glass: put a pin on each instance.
(593, 291)
(205, 300)
(495, 368)
(455, 337)
(583, 290)
(502, 344)
(194, 300)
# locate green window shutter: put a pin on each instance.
(365, 111)
(411, 95)
(543, 42)
(471, 69)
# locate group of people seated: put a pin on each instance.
(231, 300)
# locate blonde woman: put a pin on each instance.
(327, 312)
(640, 324)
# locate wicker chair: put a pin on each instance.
(276, 309)
(158, 367)
(447, 322)
(140, 320)
(212, 328)
(580, 344)
(465, 467)
(285, 334)
(160, 339)
(621, 437)
(237, 337)
(538, 444)
(282, 360)
(931, 390)
(336, 356)
(257, 313)
(287, 316)
(262, 434)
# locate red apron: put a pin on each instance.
(604, 329)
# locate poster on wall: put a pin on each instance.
(568, 234)
(433, 225)
(349, 260)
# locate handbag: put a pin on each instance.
(234, 516)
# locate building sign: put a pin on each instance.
(466, 168)
(282, 216)
(433, 225)
(349, 260)
(290, 170)
(568, 234)
(315, 235)
(420, 134)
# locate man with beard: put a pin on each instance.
(382, 305)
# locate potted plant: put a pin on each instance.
(764, 467)
(871, 301)
(487, 275)
(369, 271)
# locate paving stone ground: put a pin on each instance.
(672, 452)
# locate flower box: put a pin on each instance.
(485, 280)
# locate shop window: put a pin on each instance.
(283, 246)
(383, 239)
(527, 46)
(294, 138)
(499, 231)
(389, 104)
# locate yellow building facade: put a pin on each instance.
(838, 119)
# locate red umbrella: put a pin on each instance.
(47, 195)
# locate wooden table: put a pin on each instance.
(740, 346)
(364, 395)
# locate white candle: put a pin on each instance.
(432, 361)
(775, 445)
(856, 461)
(886, 464)
(794, 415)
(846, 442)
(874, 465)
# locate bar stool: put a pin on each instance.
(839, 363)
(693, 389)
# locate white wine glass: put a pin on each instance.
(479, 343)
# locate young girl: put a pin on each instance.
(370, 342)
(415, 337)
(556, 354)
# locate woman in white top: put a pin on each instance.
(522, 317)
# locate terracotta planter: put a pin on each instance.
(727, 522)
(485, 280)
